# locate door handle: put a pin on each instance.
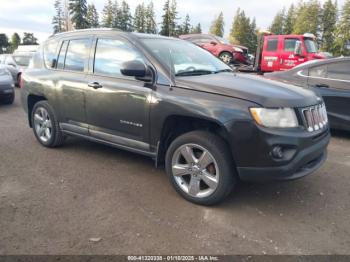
(95, 85)
(322, 86)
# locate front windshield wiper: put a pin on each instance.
(195, 73)
(223, 70)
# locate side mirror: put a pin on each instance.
(138, 70)
(213, 43)
(297, 49)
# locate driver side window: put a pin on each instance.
(110, 55)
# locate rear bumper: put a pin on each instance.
(304, 163)
(6, 93)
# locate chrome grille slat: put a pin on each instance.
(315, 117)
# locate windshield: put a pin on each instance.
(222, 40)
(311, 46)
(185, 58)
(22, 60)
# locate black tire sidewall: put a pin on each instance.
(218, 148)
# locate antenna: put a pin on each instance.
(171, 68)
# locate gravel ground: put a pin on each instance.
(86, 198)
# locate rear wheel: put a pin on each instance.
(45, 125)
(200, 168)
(226, 57)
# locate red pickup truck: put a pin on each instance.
(283, 52)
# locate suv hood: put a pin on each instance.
(267, 93)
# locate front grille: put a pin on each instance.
(315, 117)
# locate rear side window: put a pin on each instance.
(77, 54)
(50, 52)
(339, 70)
(111, 54)
(272, 44)
(62, 55)
(289, 44)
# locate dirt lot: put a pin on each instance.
(55, 201)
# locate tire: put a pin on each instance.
(10, 100)
(50, 122)
(220, 169)
(226, 57)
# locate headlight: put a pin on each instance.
(278, 118)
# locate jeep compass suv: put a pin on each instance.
(173, 101)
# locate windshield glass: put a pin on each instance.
(185, 58)
(311, 46)
(22, 60)
(223, 40)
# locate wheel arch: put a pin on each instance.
(176, 125)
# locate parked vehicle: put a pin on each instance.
(11, 65)
(173, 101)
(220, 47)
(283, 52)
(331, 79)
(7, 92)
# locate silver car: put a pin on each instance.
(15, 64)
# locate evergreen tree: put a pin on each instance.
(151, 25)
(140, 18)
(243, 31)
(78, 11)
(125, 17)
(186, 26)
(289, 20)
(308, 18)
(169, 26)
(29, 39)
(277, 26)
(107, 14)
(116, 15)
(342, 42)
(197, 29)
(15, 41)
(4, 43)
(57, 20)
(217, 26)
(329, 21)
(92, 16)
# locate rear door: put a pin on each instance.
(270, 56)
(72, 66)
(288, 59)
(117, 108)
(332, 81)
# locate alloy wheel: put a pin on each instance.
(42, 124)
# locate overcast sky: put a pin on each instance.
(36, 15)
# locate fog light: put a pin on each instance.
(277, 152)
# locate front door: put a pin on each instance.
(117, 107)
(288, 59)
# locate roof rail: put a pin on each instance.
(87, 30)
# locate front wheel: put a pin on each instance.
(226, 57)
(200, 167)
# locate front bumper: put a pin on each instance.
(252, 149)
(6, 93)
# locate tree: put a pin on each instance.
(289, 20)
(92, 16)
(217, 26)
(329, 21)
(107, 14)
(243, 31)
(197, 29)
(116, 15)
(29, 39)
(308, 18)
(186, 26)
(125, 17)
(4, 43)
(57, 20)
(140, 18)
(342, 42)
(78, 11)
(67, 22)
(15, 41)
(277, 26)
(151, 25)
(169, 25)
